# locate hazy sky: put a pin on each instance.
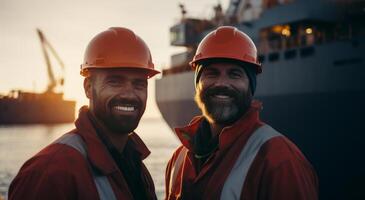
(70, 24)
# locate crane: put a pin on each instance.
(53, 82)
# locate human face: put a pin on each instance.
(117, 97)
(223, 92)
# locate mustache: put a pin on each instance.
(220, 91)
(126, 101)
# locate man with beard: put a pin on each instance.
(102, 157)
(228, 153)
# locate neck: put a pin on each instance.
(118, 140)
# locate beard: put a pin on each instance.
(114, 121)
(223, 112)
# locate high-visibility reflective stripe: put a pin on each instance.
(233, 185)
(102, 183)
(176, 168)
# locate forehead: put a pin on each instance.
(121, 72)
(222, 66)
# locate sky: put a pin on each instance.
(70, 24)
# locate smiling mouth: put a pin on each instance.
(124, 108)
(221, 96)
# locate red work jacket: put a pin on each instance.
(278, 172)
(60, 172)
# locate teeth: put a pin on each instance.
(124, 108)
(222, 96)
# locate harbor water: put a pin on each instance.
(19, 143)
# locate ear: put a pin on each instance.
(88, 87)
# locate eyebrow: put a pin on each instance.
(114, 76)
(123, 77)
(210, 69)
(140, 80)
(238, 69)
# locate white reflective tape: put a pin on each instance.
(176, 168)
(74, 141)
(105, 190)
(234, 183)
(102, 183)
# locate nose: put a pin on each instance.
(222, 81)
(126, 91)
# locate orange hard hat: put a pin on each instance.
(118, 47)
(227, 42)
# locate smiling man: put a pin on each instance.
(102, 157)
(229, 153)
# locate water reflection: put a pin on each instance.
(19, 143)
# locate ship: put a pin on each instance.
(48, 107)
(312, 86)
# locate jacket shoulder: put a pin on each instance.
(52, 173)
(279, 150)
(55, 156)
(284, 170)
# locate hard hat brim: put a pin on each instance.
(150, 72)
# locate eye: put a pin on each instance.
(209, 73)
(113, 81)
(236, 74)
(140, 84)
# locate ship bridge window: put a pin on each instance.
(307, 36)
(306, 51)
(290, 54)
(298, 34)
(277, 38)
(273, 57)
(177, 35)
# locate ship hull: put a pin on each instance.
(36, 112)
(328, 130)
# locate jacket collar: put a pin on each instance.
(229, 134)
(98, 154)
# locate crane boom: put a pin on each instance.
(46, 45)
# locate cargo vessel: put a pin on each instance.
(312, 86)
(21, 107)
